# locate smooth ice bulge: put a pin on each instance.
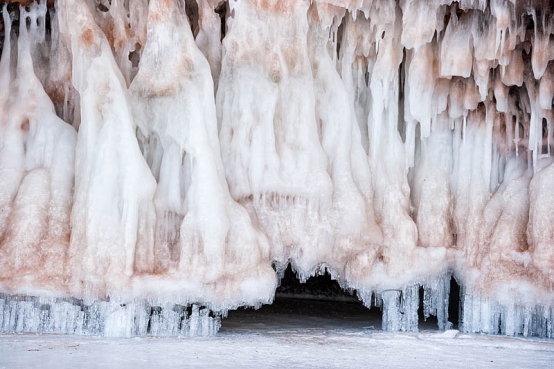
(164, 161)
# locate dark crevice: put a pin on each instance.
(102, 8)
(134, 56)
(103, 5)
(454, 307)
(340, 34)
(221, 10)
(429, 323)
(191, 10)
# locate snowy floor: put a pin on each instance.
(296, 334)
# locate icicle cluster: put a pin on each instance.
(175, 151)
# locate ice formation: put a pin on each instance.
(163, 161)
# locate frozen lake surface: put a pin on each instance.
(286, 334)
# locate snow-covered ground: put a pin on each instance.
(286, 334)
(307, 348)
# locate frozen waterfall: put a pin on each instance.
(164, 161)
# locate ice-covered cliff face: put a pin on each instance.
(174, 152)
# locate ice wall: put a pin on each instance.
(160, 158)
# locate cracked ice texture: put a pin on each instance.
(391, 142)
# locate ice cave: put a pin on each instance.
(165, 162)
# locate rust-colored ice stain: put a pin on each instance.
(282, 7)
(87, 37)
(163, 11)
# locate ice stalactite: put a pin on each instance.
(113, 185)
(37, 161)
(158, 157)
(202, 235)
(273, 159)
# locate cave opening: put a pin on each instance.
(319, 303)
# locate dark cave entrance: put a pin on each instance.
(320, 303)
(320, 287)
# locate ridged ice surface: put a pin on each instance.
(177, 153)
(110, 319)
